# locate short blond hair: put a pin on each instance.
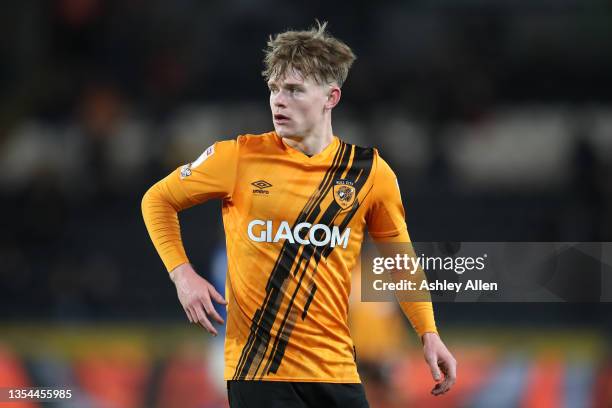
(313, 53)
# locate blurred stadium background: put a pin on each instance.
(496, 116)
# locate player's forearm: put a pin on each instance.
(421, 316)
(420, 313)
(160, 215)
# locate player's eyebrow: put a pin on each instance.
(286, 84)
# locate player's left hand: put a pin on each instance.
(440, 361)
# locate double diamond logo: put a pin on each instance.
(261, 184)
(261, 187)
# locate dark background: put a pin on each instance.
(497, 119)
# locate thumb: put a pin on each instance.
(435, 370)
(216, 296)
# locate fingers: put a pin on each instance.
(191, 320)
(442, 387)
(202, 312)
(203, 320)
(210, 310)
(437, 390)
(432, 361)
(196, 299)
(449, 367)
(216, 296)
(452, 370)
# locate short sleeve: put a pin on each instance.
(385, 216)
(211, 175)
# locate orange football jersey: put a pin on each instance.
(294, 226)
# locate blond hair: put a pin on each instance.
(313, 53)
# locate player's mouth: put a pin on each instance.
(281, 119)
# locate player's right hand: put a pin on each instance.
(196, 295)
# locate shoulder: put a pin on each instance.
(381, 167)
(244, 142)
(360, 157)
(370, 157)
(384, 178)
(365, 153)
(263, 143)
(250, 140)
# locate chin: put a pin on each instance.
(285, 132)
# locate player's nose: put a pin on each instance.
(279, 99)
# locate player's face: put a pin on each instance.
(298, 104)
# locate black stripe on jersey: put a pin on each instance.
(313, 290)
(358, 173)
(265, 316)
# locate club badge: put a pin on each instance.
(344, 193)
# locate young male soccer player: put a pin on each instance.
(296, 203)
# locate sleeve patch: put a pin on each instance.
(207, 153)
(187, 168)
(186, 171)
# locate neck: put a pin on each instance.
(312, 143)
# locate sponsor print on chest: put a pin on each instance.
(296, 219)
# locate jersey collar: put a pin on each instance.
(323, 155)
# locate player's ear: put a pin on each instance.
(333, 96)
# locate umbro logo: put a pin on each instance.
(261, 185)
